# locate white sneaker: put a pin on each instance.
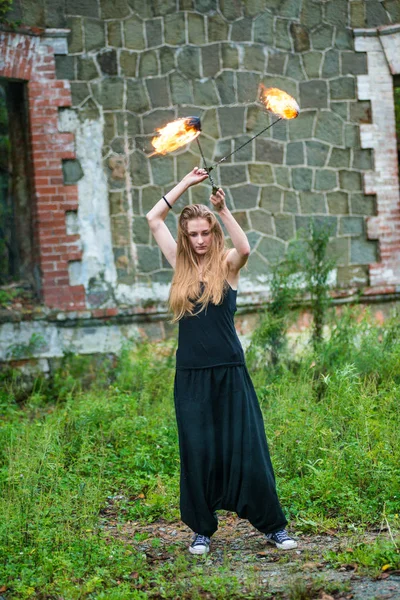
(281, 540)
(200, 544)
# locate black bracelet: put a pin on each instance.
(167, 202)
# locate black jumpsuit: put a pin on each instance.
(225, 462)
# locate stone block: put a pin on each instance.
(232, 174)
(316, 153)
(241, 30)
(226, 87)
(363, 252)
(117, 145)
(84, 8)
(272, 249)
(134, 34)
(325, 179)
(137, 100)
(140, 230)
(302, 127)
(354, 63)
(312, 64)
(204, 92)
(375, 14)
(294, 68)
(185, 163)
(290, 203)
(280, 131)
(338, 203)
(254, 58)
(281, 82)
(253, 7)
(282, 176)
(127, 63)
(263, 29)
(393, 8)
(222, 149)
(357, 14)
(269, 151)
(149, 259)
(109, 130)
(156, 119)
(338, 251)
(95, 38)
(261, 174)
(301, 40)
(344, 39)
(157, 88)
(200, 194)
(54, 17)
(331, 66)
(256, 266)
(89, 110)
(312, 203)
(231, 120)
(109, 92)
(87, 69)
(283, 39)
(329, 128)
(230, 9)
(362, 159)
(341, 109)
(360, 112)
(245, 154)
(262, 222)
(175, 29)
(313, 94)
(114, 33)
(247, 86)
(289, 8)
(218, 28)
(339, 158)
(342, 88)
(117, 203)
(362, 205)
(352, 276)
(209, 123)
(75, 35)
(118, 9)
(284, 227)
(210, 58)
(337, 13)
(72, 171)
(167, 59)
(107, 61)
(253, 238)
(301, 178)
(245, 196)
(257, 120)
(150, 196)
(271, 199)
(321, 223)
(196, 29)
(148, 63)
(139, 168)
(65, 67)
(188, 59)
(351, 226)
(321, 37)
(154, 33)
(294, 153)
(229, 56)
(162, 169)
(350, 180)
(121, 236)
(351, 136)
(276, 63)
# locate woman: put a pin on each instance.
(225, 462)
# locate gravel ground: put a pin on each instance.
(262, 570)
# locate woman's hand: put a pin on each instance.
(196, 176)
(218, 200)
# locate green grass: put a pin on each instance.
(332, 422)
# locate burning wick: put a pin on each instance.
(175, 135)
(278, 102)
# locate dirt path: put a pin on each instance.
(262, 570)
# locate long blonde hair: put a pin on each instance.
(185, 288)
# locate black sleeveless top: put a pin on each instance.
(209, 339)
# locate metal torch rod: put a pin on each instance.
(214, 187)
(240, 147)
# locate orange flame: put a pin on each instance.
(176, 134)
(278, 102)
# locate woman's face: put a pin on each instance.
(200, 235)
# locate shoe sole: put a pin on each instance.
(198, 551)
(280, 546)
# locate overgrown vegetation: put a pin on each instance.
(65, 451)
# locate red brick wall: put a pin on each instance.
(27, 58)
